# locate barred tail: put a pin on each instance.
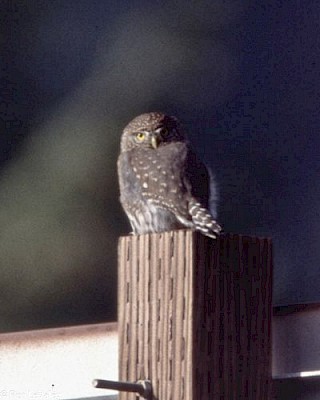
(203, 220)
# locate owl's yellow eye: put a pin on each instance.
(140, 136)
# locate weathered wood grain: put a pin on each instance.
(195, 315)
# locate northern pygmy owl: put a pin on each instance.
(163, 184)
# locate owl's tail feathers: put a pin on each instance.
(203, 220)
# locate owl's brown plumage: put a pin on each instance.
(163, 185)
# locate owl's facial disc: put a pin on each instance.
(149, 139)
(158, 136)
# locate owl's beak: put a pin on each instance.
(154, 141)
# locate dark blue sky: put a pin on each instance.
(248, 94)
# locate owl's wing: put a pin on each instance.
(200, 182)
(197, 178)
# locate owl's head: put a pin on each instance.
(151, 130)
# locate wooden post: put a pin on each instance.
(195, 315)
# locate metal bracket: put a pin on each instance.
(142, 387)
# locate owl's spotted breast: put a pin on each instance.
(152, 192)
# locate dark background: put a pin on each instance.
(243, 77)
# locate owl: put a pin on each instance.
(163, 184)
